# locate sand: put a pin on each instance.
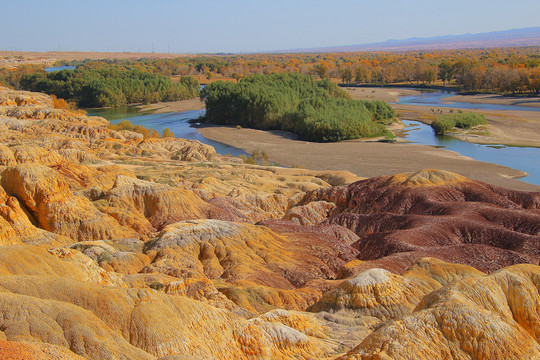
(387, 94)
(365, 159)
(508, 127)
(174, 106)
(369, 158)
(495, 99)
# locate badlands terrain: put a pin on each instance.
(119, 247)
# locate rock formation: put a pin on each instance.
(435, 213)
(113, 246)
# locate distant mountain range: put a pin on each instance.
(515, 37)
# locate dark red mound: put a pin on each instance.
(454, 219)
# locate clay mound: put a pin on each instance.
(240, 253)
(146, 207)
(375, 292)
(12, 350)
(427, 177)
(112, 323)
(47, 196)
(478, 318)
(437, 214)
(17, 228)
(179, 149)
(381, 294)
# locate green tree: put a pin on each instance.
(446, 71)
(346, 74)
(321, 70)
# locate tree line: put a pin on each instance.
(91, 86)
(500, 70)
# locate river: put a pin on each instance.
(177, 122)
(60, 68)
(526, 159)
(522, 158)
(437, 98)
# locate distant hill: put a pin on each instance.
(514, 37)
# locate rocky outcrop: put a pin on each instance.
(381, 294)
(145, 206)
(16, 226)
(113, 246)
(111, 323)
(479, 318)
(238, 253)
(48, 198)
(438, 214)
(35, 351)
(375, 292)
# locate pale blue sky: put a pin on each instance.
(246, 26)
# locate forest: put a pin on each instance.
(102, 86)
(513, 70)
(315, 110)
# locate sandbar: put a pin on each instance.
(365, 159)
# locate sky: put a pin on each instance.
(212, 26)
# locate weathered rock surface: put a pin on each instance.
(240, 252)
(146, 206)
(483, 317)
(113, 246)
(439, 214)
(47, 196)
(35, 351)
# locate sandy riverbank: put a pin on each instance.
(508, 127)
(495, 99)
(174, 106)
(365, 159)
(386, 94)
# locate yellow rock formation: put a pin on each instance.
(483, 317)
(117, 247)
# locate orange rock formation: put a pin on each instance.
(117, 247)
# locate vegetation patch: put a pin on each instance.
(98, 85)
(463, 120)
(315, 110)
(146, 133)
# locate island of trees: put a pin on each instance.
(315, 110)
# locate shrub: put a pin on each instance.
(443, 125)
(463, 120)
(99, 85)
(167, 133)
(146, 133)
(315, 110)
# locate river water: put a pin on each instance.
(177, 122)
(60, 68)
(522, 158)
(438, 98)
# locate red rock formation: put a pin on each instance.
(438, 214)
